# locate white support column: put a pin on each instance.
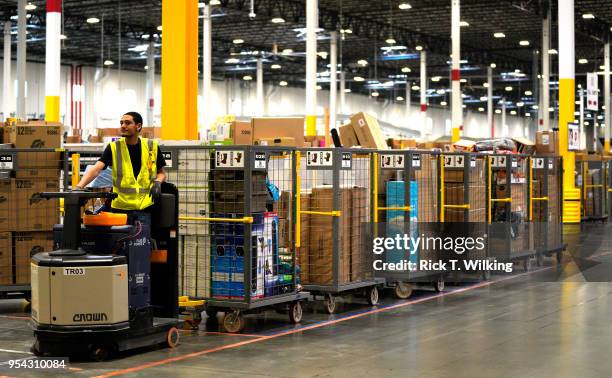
(6, 84)
(545, 96)
(503, 119)
(423, 86)
(333, 72)
(408, 87)
(342, 92)
(206, 70)
(607, 96)
(583, 139)
(151, 83)
(457, 108)
(311, 67)
(259, 89)
(21, 58)
(490, 109)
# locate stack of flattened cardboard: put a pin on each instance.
(427, 181)
(322, 239)
(454, 192)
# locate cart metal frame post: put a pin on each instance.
(512, 241)
(404, 164)
(25, 164)
(242, 162)
(547, 238)
(310, 171)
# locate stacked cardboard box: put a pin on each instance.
(368, 131)
(6, 259)
(27, 244)
(518, 193)
(191, 179)
(547, 143)
(359, 216)
(427, 181)
(593, 203)
(194, 266)
(303, 253)
(38, 134)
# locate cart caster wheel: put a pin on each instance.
(295, 312)
(526, 265)
(559, 257)
(486, 275)
(233, 322)
(211, 313)
(403, 290)
(373, 296)
(172, 338)
(99, 353)
(330, 303)
(539, 260)
(439, 285)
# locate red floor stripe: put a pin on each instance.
(314, 326)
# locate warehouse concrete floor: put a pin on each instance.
(547, 322)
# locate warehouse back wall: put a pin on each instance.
(107, 94)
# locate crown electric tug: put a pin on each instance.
(100, 291)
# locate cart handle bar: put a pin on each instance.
(594, 186)
(466, 206)
(334, 213)
(247, 220)
(539, 199)
(508, 199)
(399, 208)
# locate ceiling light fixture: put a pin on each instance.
(486, 85)
(513, 112)
(275, 66)
(499, 35)
(247, 78)
(404, 6)
(463, 80)
(493, 65)
(483, 98)
(346, 31)
(528, 93)
(319, 87)
(443, 103)
(278, 20)
(358, 78)
(524, 43)
(464, 23)
(553, 52)
(497, 111)
(583, 61)
(440, 91)
(30, 7)
(362, 62)
(237, 41)
(508, 89)
(406, 69)
(418, 48)
(347, 90)
(287, 51)
(527, 114)
(435, 79)
(159, 28)
(391, 41)
(481, 109)
(588, 16)
(415, 88)
(399, 98)
(214, 2)
(108, 62)
(93, 20)
(62, 37)
(375, 94)
(232, 61)
(520, 104)
(283, 83)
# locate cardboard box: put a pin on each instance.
(547, 142)
(348, 138)
(31, 213)
(7, 217)
(303, 253)
(27, 244)
(278, 127)
(282, 141)
(39, 160)
(151, 132)
(368, 131)
(6, 260)
(524, 146)
(34, 135)
(517, 193)
(241, 132)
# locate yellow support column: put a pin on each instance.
(179, 70)
(571, 195)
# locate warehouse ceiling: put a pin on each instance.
(364, 27)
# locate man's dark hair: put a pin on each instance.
(136, 117)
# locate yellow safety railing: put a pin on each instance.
(246, 220)
(395, 208)
(185, 301)
(531, 197)
(506, 200)
(464, 206)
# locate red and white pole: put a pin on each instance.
(52, 61)
(423, 87)
(457, 109)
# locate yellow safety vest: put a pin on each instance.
(133, 192)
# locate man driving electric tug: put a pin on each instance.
(124, 317)
(138, 170)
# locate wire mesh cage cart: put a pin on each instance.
(333, 204)
(591, 179)
(510, 233)
(546, 196)
(405, 198)
(26, 220)
(235, 252)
